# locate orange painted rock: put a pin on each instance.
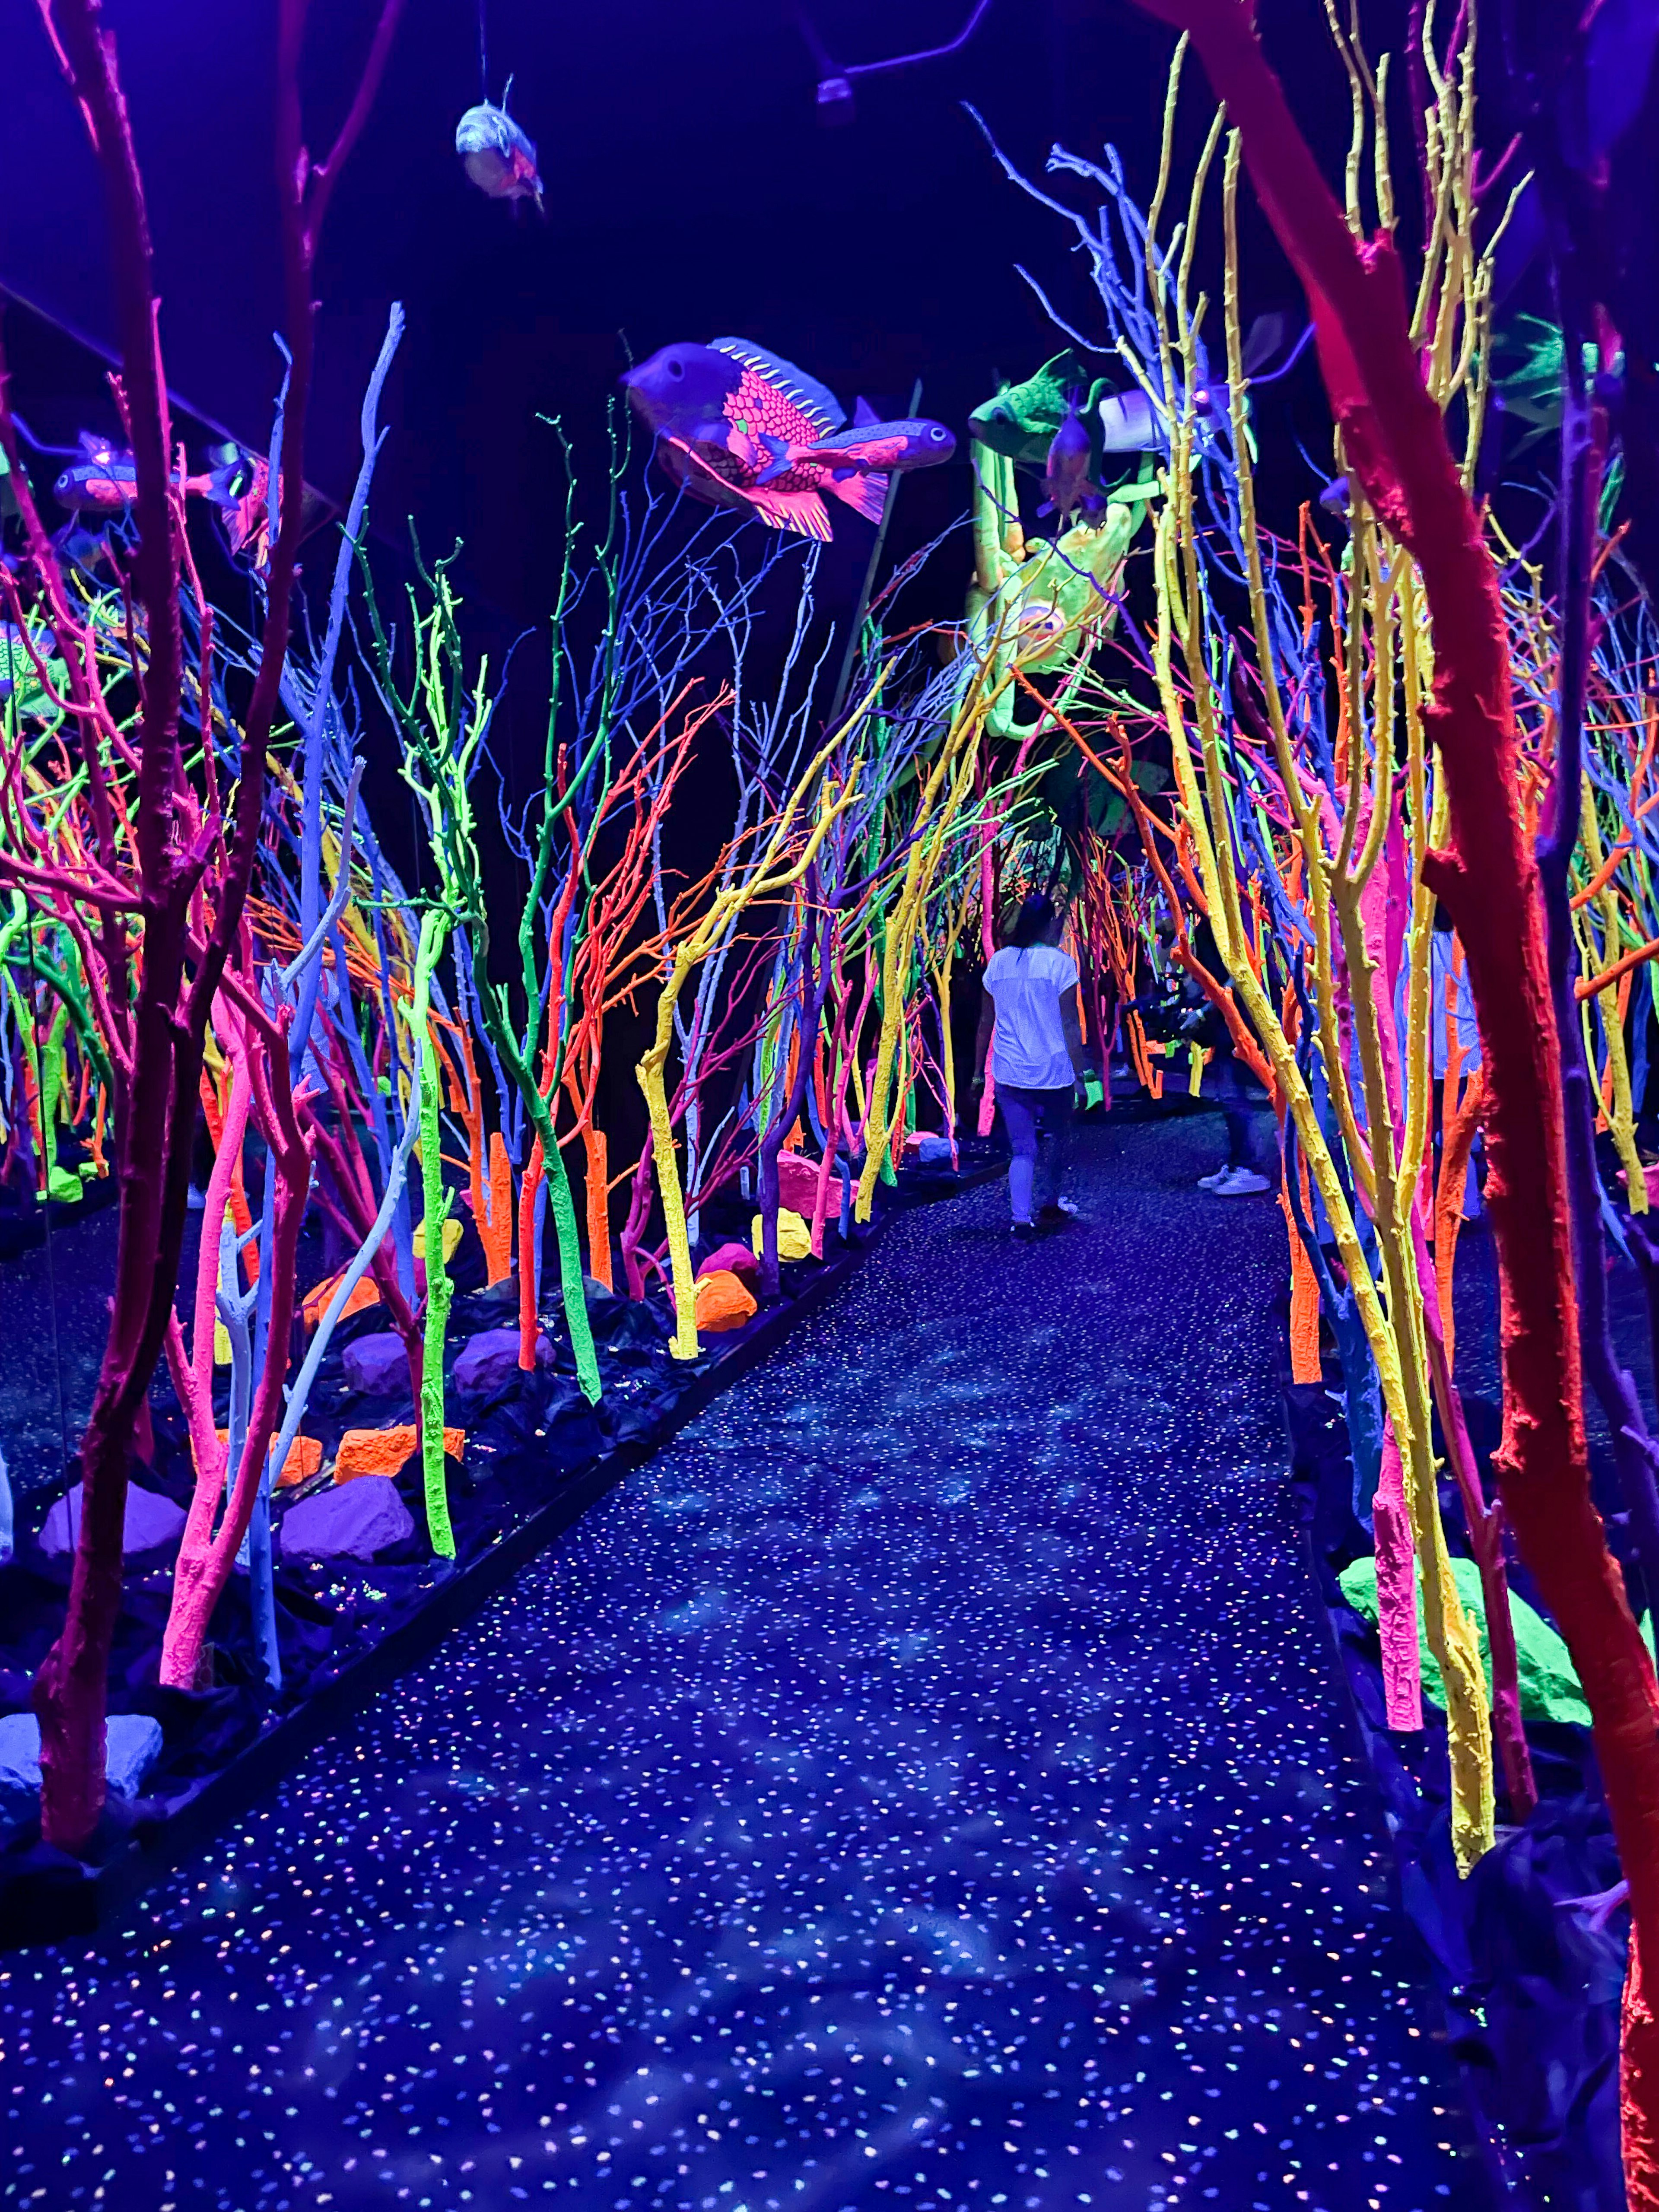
(315, 1305)
(383, 1451)
(724, 1301)
(305, 1456)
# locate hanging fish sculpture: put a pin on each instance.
(1131, 424)
(104, 481)
(497, 156)
(738, 427)
(1023, 421)
(913, 443)
(1065, 470)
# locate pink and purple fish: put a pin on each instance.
(916, 442)
(737, 427)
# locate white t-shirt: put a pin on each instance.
(1029, 1049)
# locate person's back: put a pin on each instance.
(1029, 1029)
(1026, 982)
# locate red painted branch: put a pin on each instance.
(1397, 444)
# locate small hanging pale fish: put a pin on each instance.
(497, 156)
(1065, 477)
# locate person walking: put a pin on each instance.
(1239, 1175)
(1029, 1028)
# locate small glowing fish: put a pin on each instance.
(497, 156)
(1065, 477)
(105, 480)
(914, 443)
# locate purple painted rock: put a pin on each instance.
(735, 1259)
(378, 1366)
(131, 1745)
(349, 1523)
(488, 1362)
(152, 1523)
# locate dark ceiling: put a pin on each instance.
(690, 191)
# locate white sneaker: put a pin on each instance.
(1239, 1182)
(1214, 1180)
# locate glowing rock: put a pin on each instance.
(452, 1239)
(724, 1301)
(794, 1238)
(377, 1364)
(731, 1260)
(489, 1361)
(926, 1147)
(367, 1293)
(383, 1451)
(347, 1524)
(151, 1523)
(305, 1456)
(132, 1743)
(798, 1183)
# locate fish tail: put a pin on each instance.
(863, 493)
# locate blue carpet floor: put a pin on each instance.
(923, 1785)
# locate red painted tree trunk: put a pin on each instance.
(163, 1022)
(1396, 442)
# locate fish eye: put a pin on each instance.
(675, 367)
(936, 434)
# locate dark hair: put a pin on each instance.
(1036, 916)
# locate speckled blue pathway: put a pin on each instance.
(921, 1785)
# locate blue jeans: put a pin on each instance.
(1039, 1125)
(1227, 1084)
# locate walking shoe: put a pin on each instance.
(1064, 1212)
(1215, 1178)
(1238, 1183)
(1027, 1232)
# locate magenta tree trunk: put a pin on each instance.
(168, 896)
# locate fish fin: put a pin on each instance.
(689, 469)
(779, 464)
(865, 494)
(1262, 341)
(1046, 507)
(800, 511)
(863, 412)
(815, 400)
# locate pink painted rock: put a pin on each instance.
(732, 1260)
(798, 1183)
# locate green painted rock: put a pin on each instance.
(1549, 1683)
